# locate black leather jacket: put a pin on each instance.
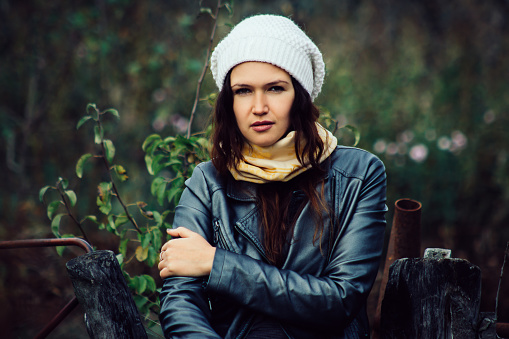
(318, 293)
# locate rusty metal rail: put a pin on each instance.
(30, 243)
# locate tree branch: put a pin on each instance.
(105, 161)
(62, 195)
(128, 215)
(204, 70)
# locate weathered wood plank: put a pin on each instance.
(102, 291)
(431, 298)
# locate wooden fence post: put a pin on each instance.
(110, 311)
(431, 297)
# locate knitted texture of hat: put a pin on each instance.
(273, 39)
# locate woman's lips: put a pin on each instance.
(261, 126)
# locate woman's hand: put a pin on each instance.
(188, 254)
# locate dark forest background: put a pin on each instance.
(424, 82)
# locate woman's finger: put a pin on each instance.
(180, 232)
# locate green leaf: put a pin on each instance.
(158, 189)
(203, 142)
(98, 134)
(91, 109)
(156, 183)
(211, 99)
(113, 112)
(121, 173)
(156, 238)
(110, 226)
(60, 250)
(71, 196)
(110, 150)
(146, 240)
(151, 284)
(104, 197)
(92, 218)
(52, 208)
(55, 224)
(83, 120)
(131, 282)
(148, 162)
(152, 258)
(157, 218)
(174, 195)
(150, 141)
(229, 8)
(169, 140)
(120, 258)
(122, 248)
(81, 163)
(355, 132)
(63, 182)
(141, 253)
(206, 10)
(176, 190)
(42, 192)
(173, 163)
(156, 163)
(142, 285)
(121, 220)
(139, 300)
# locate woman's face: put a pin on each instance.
(262, 98)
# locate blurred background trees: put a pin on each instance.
(425, 82)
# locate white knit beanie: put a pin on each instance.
(273, 39)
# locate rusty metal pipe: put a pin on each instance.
(404, 242)
(12, 244)
(57, 319)
(31, 243)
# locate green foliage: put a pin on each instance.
(177, 153)
(172, 160)
(332, 125)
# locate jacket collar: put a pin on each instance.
(241, 190)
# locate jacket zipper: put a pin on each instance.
(333, 215)
(219, 237)
(239, 229)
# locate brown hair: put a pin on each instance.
(277, 216)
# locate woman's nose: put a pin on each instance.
(260, 104)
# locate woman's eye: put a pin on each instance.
(276, 89)
(241, 91)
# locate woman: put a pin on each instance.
(280, 235)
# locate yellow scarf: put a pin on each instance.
(279, 161)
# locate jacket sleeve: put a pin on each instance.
(333, 299)
(185, 311)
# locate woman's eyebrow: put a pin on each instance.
(272, 83)
(240, 85)
(276, 82)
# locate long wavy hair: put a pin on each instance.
(277, 216)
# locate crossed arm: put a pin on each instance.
(188, 254)
(189, 257)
